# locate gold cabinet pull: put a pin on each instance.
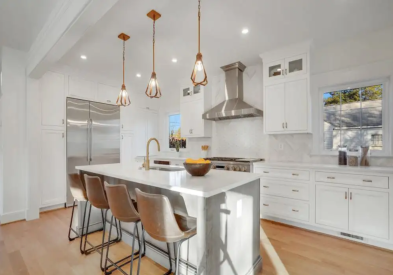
(295, 174)
(346, 195)
(295, 210)
(266, 172)
(283, 125)
(294, 190)
(367, 181)
(265, 204)
(350, 195)
(265, 186)
(331, 178)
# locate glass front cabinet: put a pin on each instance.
(287, 67)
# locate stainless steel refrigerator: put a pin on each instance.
(93, 135)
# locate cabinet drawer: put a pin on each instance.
(283, 173)
(284, 208)
(290, 190)
(360, 180)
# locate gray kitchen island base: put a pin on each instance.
(228, 226)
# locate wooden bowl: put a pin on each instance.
(197, 169)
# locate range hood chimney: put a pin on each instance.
(234, 106)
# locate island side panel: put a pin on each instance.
(232, 227)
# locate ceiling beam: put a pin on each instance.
(65, 26)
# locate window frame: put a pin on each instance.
(386, 121)
(167, 132)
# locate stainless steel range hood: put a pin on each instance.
(234, 106)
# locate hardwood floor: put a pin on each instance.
(41, 247)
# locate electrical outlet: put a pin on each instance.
(281, 146)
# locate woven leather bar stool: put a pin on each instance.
(162, 224)
(97, 198)
(124, 209)
(78, 191)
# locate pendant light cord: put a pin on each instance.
(199, 26)
(124, 57)
(154, 41)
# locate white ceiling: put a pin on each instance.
(22, 20)
(271, 23)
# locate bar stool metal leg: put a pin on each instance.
(70, 229)
(170, 260)
(178, 255)
(83, 226)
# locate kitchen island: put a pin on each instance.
(226, 205)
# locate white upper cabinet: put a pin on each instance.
(275, 110)
(52, 99)
(369, 213)
(82, 89)
(107, 94)
(286, 79)
(193, 103)
(296, 106)
(296, 65)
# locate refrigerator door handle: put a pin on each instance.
(88, 140)
(91, 140)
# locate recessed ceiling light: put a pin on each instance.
(138, 75)
(83, 56)
(244, 31)
(174, 60)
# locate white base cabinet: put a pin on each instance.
(354, 203)
(53, 176)
(127, 152)
(369, 213)
(332, 206)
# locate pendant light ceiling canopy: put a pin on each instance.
(153, 89)
(123, 99)
(199, 76)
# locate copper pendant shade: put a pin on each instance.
(123, 99)
(199, 76)
(153, 89)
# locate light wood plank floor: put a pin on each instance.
(41, 247)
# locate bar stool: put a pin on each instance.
(97, 198)
(124, 209)
(162, 224)
(78, 191)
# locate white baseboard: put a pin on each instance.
(155, 254)
(13, 217)
(52, 207)
(334, 233)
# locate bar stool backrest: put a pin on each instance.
(95, 192)
(157, 217)
(121, 203)
(77, 188)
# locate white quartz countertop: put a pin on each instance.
(336, 167)
(213, 183)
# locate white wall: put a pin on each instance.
(14, 135)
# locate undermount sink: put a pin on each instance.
(168, 169)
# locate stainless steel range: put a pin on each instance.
(234, 164)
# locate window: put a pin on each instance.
(353, 117)
(175, 132)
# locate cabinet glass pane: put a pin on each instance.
(275, 70)
(295, 65)
(186, 92)
(196, 90)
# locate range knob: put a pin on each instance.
(213, 166)
(227, 167)
(237, 168)
(244, 169)
(231, 168)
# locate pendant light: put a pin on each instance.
(123, 99)
(198, 75)
(153, 89)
